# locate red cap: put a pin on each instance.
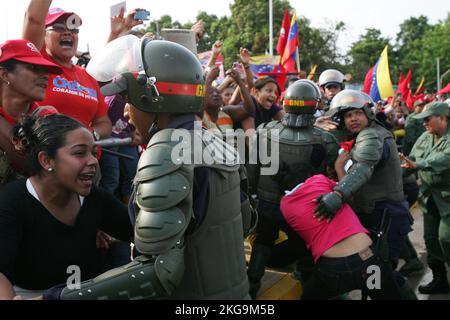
(25, 51)
(55, 13)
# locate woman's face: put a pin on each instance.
(29, 80)
(226, 95)
(61, 43)
(267, 95)
(75, 163)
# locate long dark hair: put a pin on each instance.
(35, 134)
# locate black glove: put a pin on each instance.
(327, 206)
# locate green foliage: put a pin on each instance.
(365, 53)
(416, 46)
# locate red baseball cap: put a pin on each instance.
(26, 51)
(54, 14)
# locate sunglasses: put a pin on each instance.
(60, 28)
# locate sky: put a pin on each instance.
(385, 15)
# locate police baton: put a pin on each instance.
(115, 142)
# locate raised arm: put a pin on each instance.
(121, 25)
(34, 22)
(240, 112)
(244, 55)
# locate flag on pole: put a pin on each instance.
(381, 85)
(282, 39)
(288, 59)
(420, 87)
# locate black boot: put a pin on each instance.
(257, 266)
(439, 284)
(411, 267)
(407, 293)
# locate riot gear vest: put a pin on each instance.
(372, 146)
(295, 149)
(214, 256)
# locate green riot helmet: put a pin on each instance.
(301, 97)
(332, 76)
(157, 76)
(350, 99)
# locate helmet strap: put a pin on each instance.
(154, 127)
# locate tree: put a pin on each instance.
(365, 52)
(249, 26)
(409, 44)
(435, 44)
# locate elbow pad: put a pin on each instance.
(357, 176)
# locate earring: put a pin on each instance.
(8, 83)
(50, 169)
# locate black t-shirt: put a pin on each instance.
(264, 115)
(36, 249)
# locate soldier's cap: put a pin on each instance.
(419, 103)
(434, 109)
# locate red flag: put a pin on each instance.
(282, 39)
(368, 81)
(405, 86)
(401, 79)
(289, 55)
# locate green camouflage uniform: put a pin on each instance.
(432, 157)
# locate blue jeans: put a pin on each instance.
(117, 172)
(335, 276)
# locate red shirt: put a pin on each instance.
(298, 209)
(75, 93)
(10, 119)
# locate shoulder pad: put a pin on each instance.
(368, 147)
(158, 162)
(158, 231)
(163, 192)
(326, 136)
(269, 125)
(295, 136)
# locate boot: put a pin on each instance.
(407, 293)
(257, 266)
(411, 267)
(439, 284)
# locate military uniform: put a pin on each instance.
(414, 128)
(187, 190)
(432, 157)
(302, 153)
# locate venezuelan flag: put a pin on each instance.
(378, 82)
(263, 63)
(288, 60)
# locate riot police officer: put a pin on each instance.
(331, 82)
(188, 223)
(302, 154)
(373, 184)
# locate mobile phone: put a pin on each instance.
(142, 15)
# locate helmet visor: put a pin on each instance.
(117, 57)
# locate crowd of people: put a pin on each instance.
(148, 220)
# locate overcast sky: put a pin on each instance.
(358, 15)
